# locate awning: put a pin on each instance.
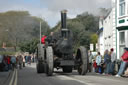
(122, 28)
(100, 30)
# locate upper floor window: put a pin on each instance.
(122, 8)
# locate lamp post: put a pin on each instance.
(40, 31)
(41, 26)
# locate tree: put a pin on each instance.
(29, 46)
(94, 38)
(21, 27)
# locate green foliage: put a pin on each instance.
(94, 38)
(7, 53)
(29, 46)
(19, 26)
(89, 21)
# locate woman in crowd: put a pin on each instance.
(98, 62)
(13, 62)
(107, 62)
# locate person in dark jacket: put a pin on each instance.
(13, 62)
(9, 62)
(107, 61)
(1, 62)
(124, 62)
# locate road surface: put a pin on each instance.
(28, 76)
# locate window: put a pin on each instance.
(121, 43)
(122, 38)
(122, 8)
(121, 50)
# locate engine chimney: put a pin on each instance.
(63, 19)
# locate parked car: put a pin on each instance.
(1, 62)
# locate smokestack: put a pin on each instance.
(63, 18)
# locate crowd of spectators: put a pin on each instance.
(10, 62)
(105, 64)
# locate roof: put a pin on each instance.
(108, 13)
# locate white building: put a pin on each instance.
(115, 28)
(107, 38)
(101, 36)
(122, 25)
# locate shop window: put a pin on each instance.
(122, 8)
(121, 50)
(121, 43)
(122, 38)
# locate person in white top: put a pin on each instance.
(113, 61)
(98, 62)
(23, 60)
(90, 61)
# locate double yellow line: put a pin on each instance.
(13, 80)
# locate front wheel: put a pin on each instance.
(82, 59)
(49, 64)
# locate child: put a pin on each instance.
(94, 66)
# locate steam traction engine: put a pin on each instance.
(58, 53)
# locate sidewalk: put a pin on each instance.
(107, 76)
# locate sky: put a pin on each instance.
(50, 9)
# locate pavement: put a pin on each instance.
(29, 76)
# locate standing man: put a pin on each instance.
(90, 61)
(113, 61)
(23, 56)
(29, 59)
(124, 62)
(20, 61)
(9, 62)
(13, 61)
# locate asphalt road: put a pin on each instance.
(28, 76)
